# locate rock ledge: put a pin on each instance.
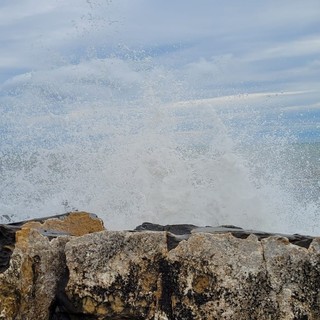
(69, 267)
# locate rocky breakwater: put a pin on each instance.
(32, 262)
(155, 272)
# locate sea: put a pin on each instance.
(161, 158)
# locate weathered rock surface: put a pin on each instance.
(174, 272)
(34, 264)
(116, 274)
(71, 223)
(28, 286)
(244, 279)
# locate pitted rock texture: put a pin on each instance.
(232, 283)
(28, 286)
(72, 223)
(32, 263)
(206, 273)
(115, 275)
(207, 276)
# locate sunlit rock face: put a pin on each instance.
(244, 278)
(28, 286)
(117, 274)
(33, 265)
(156, 272)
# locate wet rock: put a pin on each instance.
(7, 240)
(187, 229)
(297, 239)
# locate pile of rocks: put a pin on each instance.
(70, 267)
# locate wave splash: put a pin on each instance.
(108, 136)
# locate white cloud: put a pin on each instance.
(14, 12)
(97, 51)
(309, 107)
(295, 48)
(238, 100)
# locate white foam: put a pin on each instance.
(86, 137)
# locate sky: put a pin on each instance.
(58, 58)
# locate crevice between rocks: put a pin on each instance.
(167, 285)
(62, 308)
(7, 244)
(265, 263)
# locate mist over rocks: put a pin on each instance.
(70, 267)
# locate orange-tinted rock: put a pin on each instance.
(30, 278)
(73, 223)
(28, 287)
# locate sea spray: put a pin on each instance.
(113, 132)
(149, 159)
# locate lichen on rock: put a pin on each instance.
(171, 273)
(116, 273)
(30, 277)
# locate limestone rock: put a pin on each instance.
(178, 272)
(115, 275)
(294, 275)
(72, 223)
(28, 286)
(32, 263)
(124, 275)
(217, 276)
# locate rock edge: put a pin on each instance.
(168, 272)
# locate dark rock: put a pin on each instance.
(296, 239)
(187, 229)
(173, 228)
(7, 240)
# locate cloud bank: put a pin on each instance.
(58, 57)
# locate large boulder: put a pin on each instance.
(125, 275)
(28, 287)
(116, 275)
(218, 276)
(34, 264)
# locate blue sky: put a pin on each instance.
(59, 57)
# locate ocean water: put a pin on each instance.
(151, 158)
